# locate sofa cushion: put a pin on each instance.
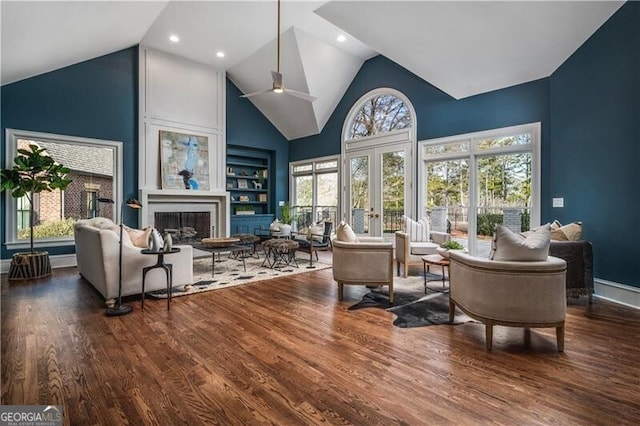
(345, 233)
(417, 231)
(99, 222)
(510, 246)
(422, 248)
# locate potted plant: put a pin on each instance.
(285, 218)
(33, 172)
(245, 210)
(443, 250)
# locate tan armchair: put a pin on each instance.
(411, 252)
(515, 294)
(367, 262)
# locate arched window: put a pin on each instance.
(380, 113)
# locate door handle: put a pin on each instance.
(376, 215)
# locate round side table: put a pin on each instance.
(167, 267)
(435, 260)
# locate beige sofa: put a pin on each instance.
(411, 252)
(509, 293)
(366, 262)
(97, 254)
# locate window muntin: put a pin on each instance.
(95, 166)
(378, 114)
(315, 191)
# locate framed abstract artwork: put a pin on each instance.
(184, 161)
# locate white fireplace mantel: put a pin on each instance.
(163, 200)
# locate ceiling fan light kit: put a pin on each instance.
(276, 76)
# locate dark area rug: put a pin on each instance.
(412, 307)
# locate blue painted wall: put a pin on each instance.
(590, 114)
(595, 143)
(96, 99)
(246, 126)
(438, 114)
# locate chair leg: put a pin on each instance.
(398, 267)
(560, 337)
(488, 334)
(340, 288)
(406, 269)
(452, 310)
(391, 293)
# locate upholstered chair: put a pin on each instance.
(509, 293)
(368, 261)
(410, 252)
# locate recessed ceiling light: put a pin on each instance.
(220, 54)
(341, 38)
(174, 38)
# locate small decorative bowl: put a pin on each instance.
(219, 242)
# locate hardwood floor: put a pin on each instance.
(287, 352)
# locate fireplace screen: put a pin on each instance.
(184, 227)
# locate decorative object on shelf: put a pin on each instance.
(119, 308)
(242, 184)
(155, 240)
(220, 242)
(33, 172)
(244, 198)
(230, 171)
(185, 161)
(244, 210)
(443, 250)
(257, 185)
(262, 198)
(229, 186)
(168, 242)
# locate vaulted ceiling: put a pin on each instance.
(463, 48)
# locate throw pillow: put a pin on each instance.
(317, 230)
(345, 233)
(139, 237)
(510, 246)
(417, 231)
(570, 232)
(126, 240)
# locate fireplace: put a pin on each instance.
(176, 211)
(184, 227)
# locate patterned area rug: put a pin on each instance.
(229, 272)
(411, 305)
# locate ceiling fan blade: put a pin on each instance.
(256, 93)
(300, 95)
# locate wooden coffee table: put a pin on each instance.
(435, 260)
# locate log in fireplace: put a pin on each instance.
(184, 227)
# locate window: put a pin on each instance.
(380, 113)
(314, 191)
(95, 173)
(469, 183)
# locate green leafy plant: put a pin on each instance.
(34, 172)
(285, 213)
(452, 245)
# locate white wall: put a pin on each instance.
(184, 96)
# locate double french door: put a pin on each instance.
(377, 188)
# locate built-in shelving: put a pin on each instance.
(248, 183)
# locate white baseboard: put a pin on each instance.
(57, 261)
(619, 293)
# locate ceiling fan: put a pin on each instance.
(276, 76)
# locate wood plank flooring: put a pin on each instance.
(286, 352)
